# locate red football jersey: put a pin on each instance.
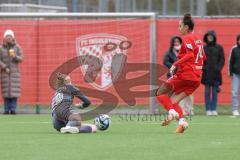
(190, 58)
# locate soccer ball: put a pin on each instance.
(102, 122)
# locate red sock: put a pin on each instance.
(165, 101)
(178, 109)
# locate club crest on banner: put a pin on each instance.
(104, 46)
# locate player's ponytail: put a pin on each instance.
(188, 21)
(60, 80)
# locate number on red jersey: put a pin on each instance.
(200, 55)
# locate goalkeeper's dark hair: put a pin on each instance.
(187, 20)
(61, 80)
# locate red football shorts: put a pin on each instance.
(179, 85)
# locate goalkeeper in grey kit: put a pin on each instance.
(64, 120)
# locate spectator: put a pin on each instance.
(234, 71)
(169, 58)
(171, 55)
(212, 67)
(10, 56)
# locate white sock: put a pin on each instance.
(173, 112)
(181, 121)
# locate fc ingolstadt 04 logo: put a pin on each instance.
(103, 46)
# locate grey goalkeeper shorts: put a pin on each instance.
(57, 124)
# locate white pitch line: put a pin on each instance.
(24, 122)
(134, 123)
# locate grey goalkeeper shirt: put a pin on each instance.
(67, 94)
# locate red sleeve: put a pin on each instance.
(188, 49)
(185, 58)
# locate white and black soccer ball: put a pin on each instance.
(102, 122)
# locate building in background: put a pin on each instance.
(162, 7)
(33, 6)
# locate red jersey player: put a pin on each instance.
(186, 74)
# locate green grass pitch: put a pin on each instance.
(31, 137)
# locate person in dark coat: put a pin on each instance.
(171, 55)
(234, 72)
(11, 56)
(212, 67)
